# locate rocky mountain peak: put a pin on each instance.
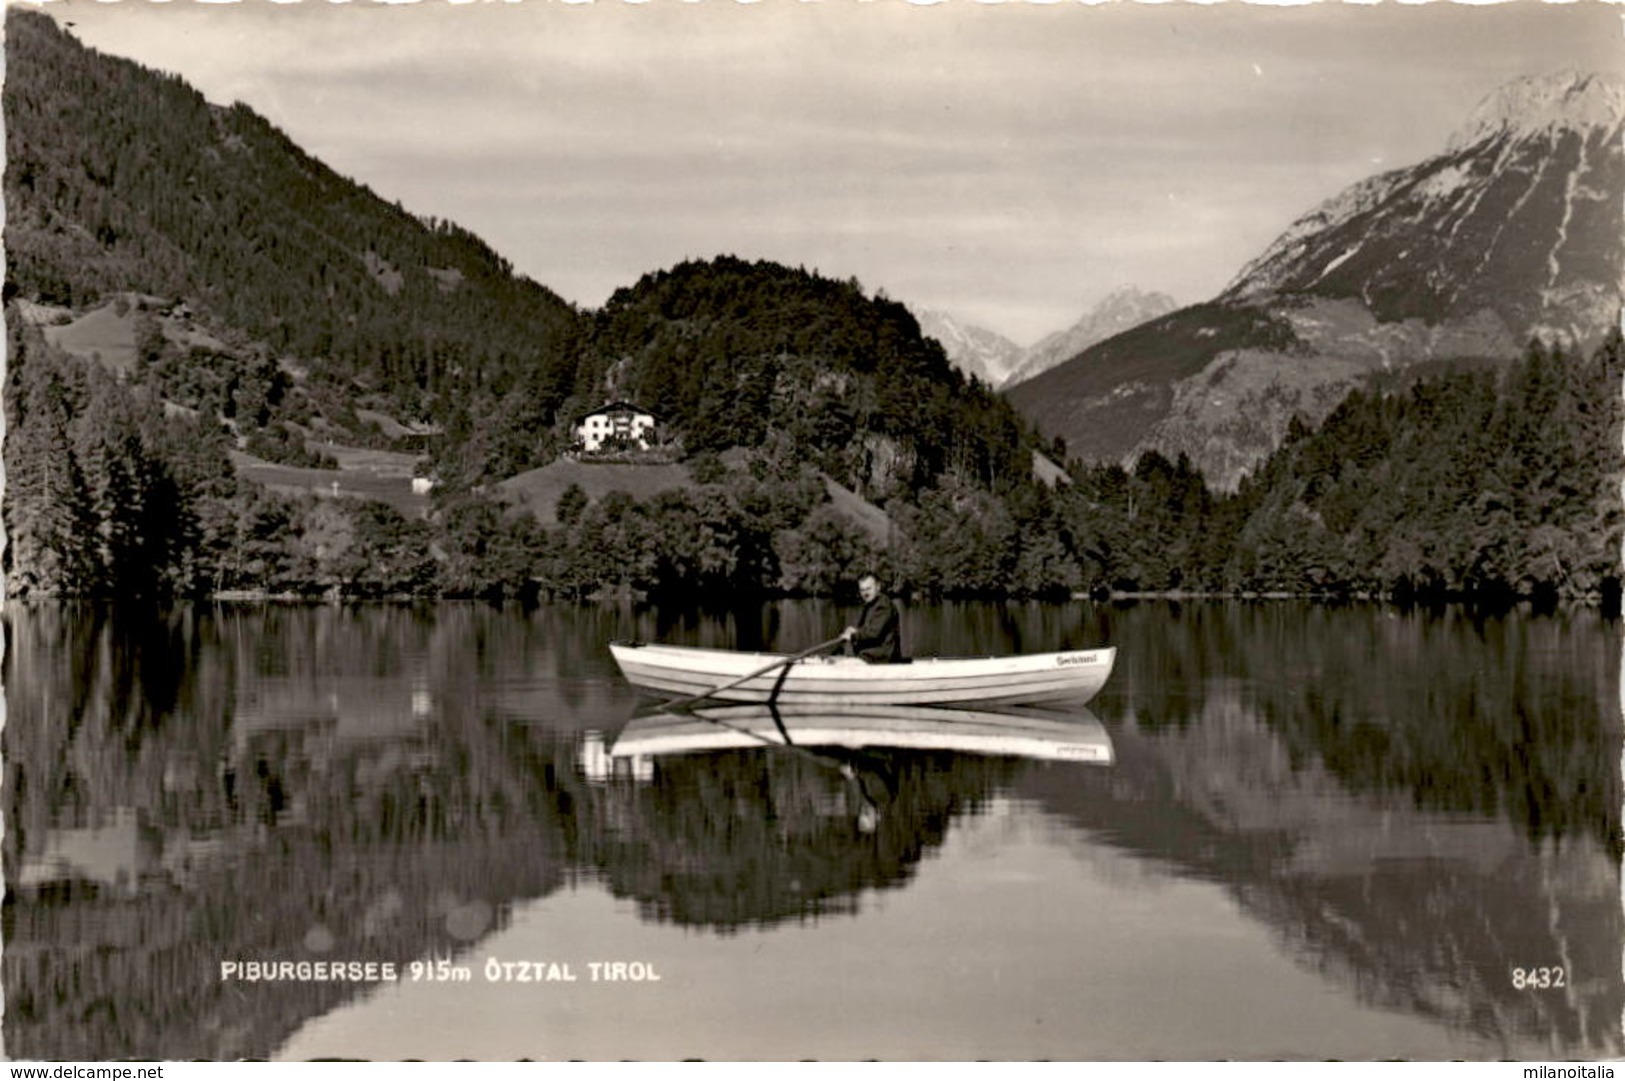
(972, 349)
(1521, 218)
(1123, 308)
(1127, 296)
(1536, 105)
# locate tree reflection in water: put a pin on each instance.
(280, 808)
(1415, 803)
(755, 837)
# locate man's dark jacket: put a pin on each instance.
(877, 640)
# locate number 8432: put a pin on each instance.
(1537, 979)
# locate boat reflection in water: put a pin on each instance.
(748, 815)
(850, 739)
(1023, 733)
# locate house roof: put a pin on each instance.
(617, 407)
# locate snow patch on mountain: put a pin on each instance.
(1339, 261)
(1503, 219)
(1464, 281)
(1571, 188)
(1447, 181)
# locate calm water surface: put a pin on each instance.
(1324, 833)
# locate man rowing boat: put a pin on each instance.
(875, 636)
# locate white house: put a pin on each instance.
(621, 422)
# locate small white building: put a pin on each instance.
(620, 422)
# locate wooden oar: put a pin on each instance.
(679, 703)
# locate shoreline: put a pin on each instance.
(616, 598)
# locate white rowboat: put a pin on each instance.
(687, 671)
(1074, 737)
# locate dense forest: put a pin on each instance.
(1478, 482)
(309, 307)
(1474, 483)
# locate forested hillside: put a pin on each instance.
(753, 354)
(1470, 483)
(123, 179)
(1479, 482)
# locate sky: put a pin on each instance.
(1006, 163)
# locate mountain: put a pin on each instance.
(1511, 232)
(974, 350)
(124, 180)
(1000, 362)
(1122, 309)
(1520, 216)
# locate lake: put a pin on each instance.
(1317, 832)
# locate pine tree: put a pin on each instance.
(48, 514)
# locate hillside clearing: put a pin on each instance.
(381, 463)
(860, 512)
(538, 490)
(333, 483)
(102, 335)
